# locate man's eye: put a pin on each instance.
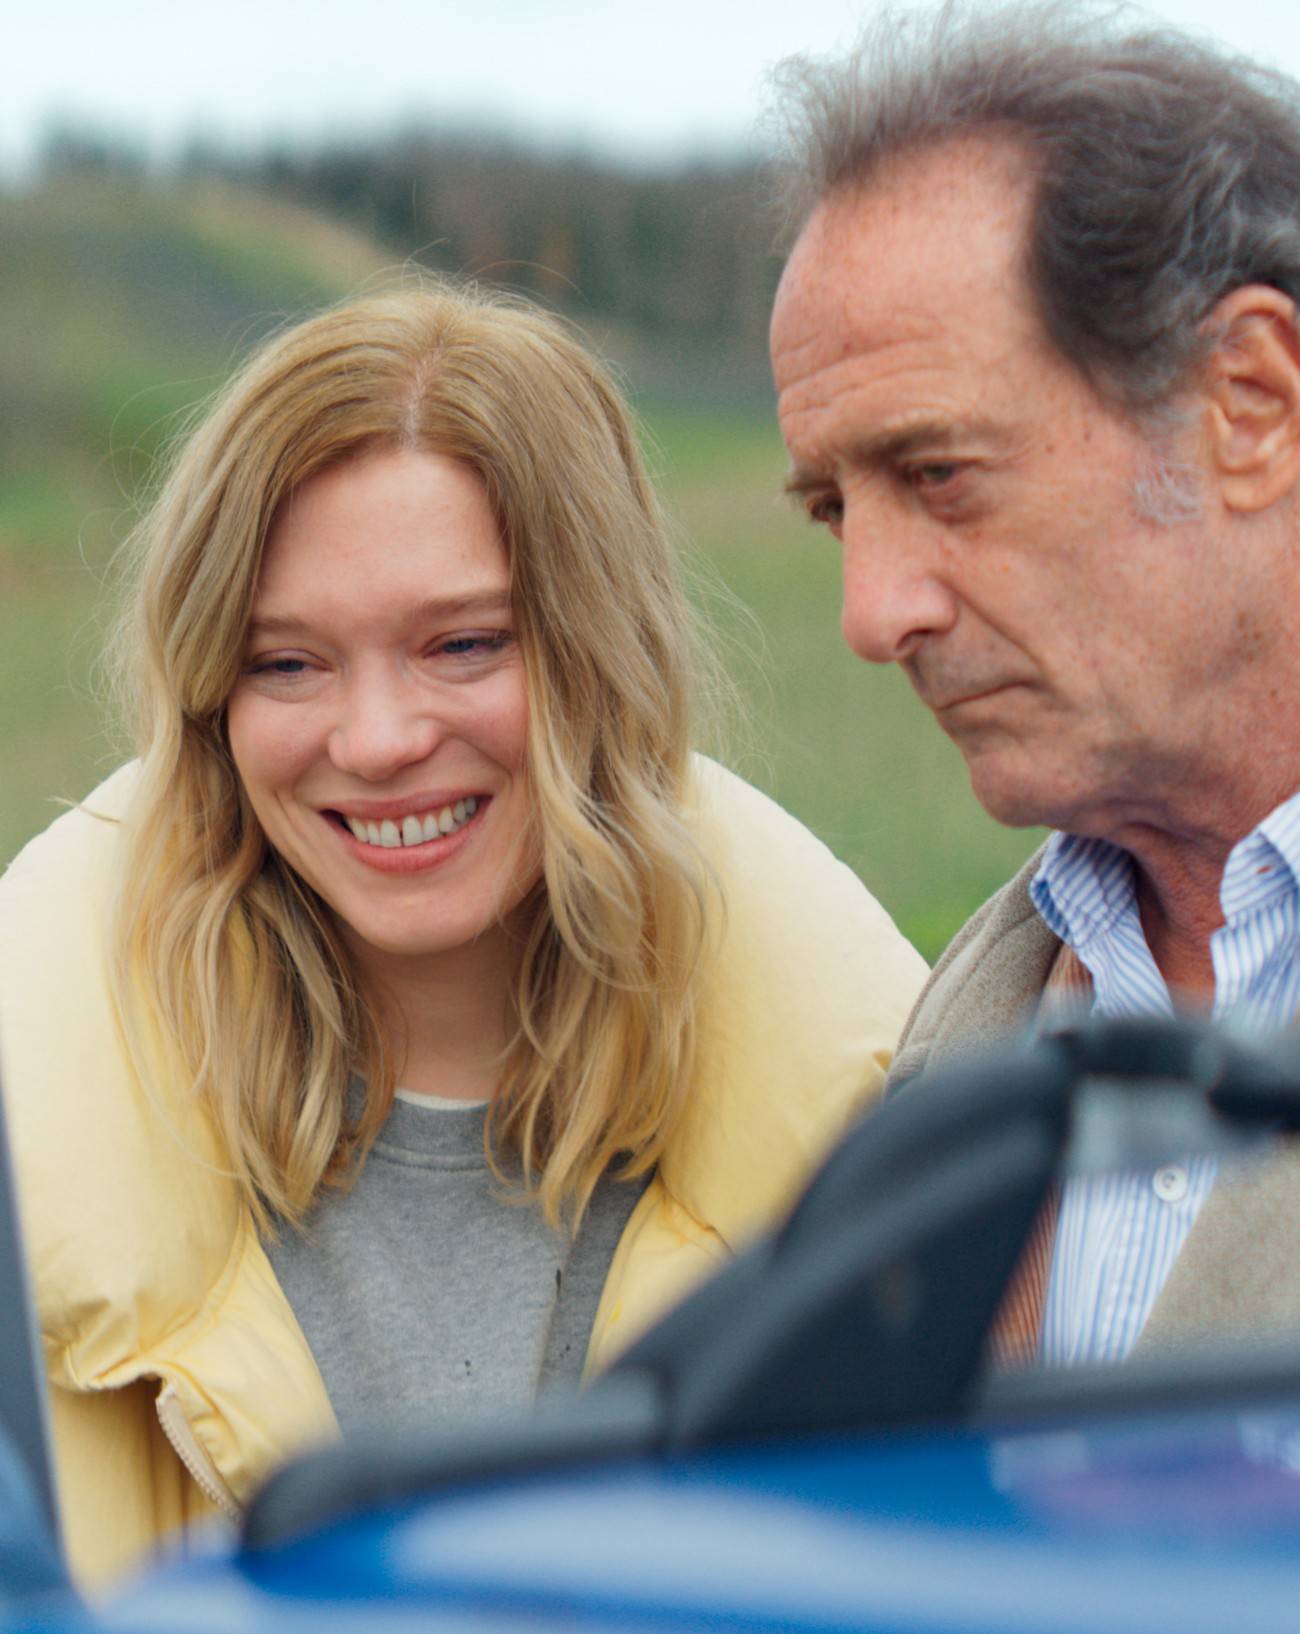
(825, 508)
(933, 474)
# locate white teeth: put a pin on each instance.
(414, 830)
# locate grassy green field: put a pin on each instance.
(122, 308)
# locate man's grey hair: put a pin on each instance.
(1168, 170)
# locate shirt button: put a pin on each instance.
(1170, 1184)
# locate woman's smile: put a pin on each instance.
(422, 838)
(412, 828)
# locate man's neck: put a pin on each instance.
(1179, 861)
(1179, 888)
(1178, 932)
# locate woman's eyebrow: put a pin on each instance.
(479, 603)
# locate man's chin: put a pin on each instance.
(1012, 797)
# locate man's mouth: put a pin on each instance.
(959, 699)
(415, 828)
(973, 694)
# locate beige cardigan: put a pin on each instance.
(165, 1330)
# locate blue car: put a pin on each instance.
(814, 1441)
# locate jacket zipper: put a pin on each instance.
(185, 1444)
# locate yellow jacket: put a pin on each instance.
(179, 1374)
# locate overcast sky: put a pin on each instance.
(655, 78)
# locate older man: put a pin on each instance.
(1037, 360)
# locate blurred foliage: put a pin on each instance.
(683, 255)
(127, 300)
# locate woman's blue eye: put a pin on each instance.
(279, 666)
(465, 646)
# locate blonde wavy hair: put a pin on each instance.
(228, 968)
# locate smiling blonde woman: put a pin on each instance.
(415, 905)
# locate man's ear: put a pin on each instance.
(1253, 391)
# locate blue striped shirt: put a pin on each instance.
(1118, 1235)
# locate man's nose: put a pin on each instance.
(385, 723)
(894, 594)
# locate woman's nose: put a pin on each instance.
(384, 726)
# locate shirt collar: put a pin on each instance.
(1083, 887)
(1265, 864)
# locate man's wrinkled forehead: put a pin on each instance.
(922, 236)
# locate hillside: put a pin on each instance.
(124, 304)
(121, 306)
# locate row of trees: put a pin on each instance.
(683, 252)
